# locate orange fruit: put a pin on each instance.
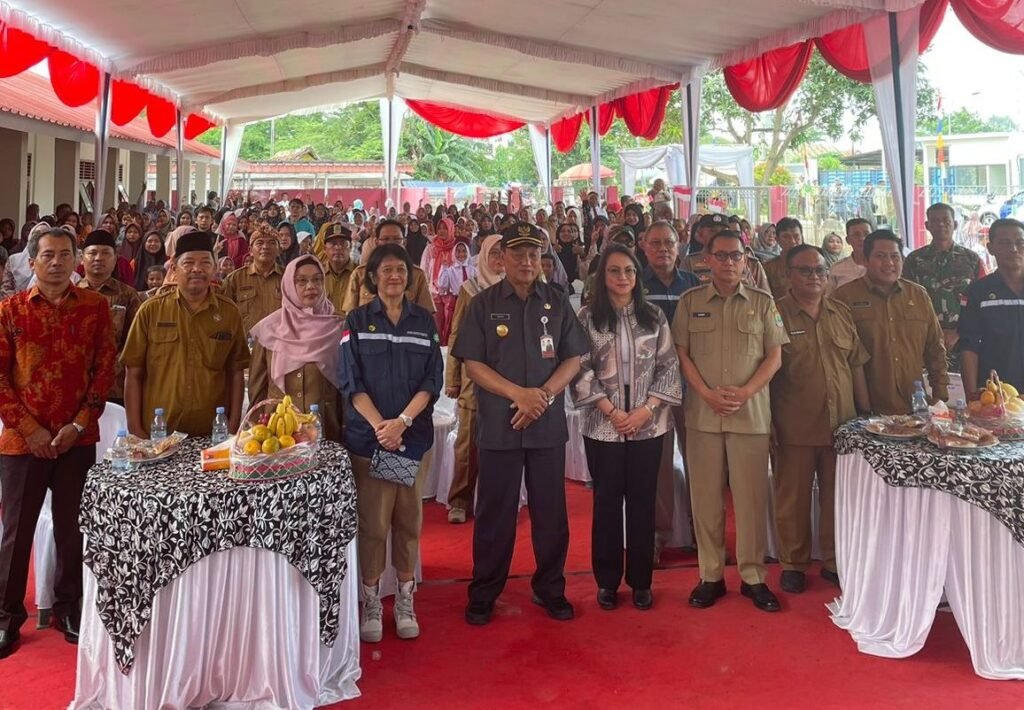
(260, 433)
(252, 447)
(988, 397)
(287, 441)
(271, 445)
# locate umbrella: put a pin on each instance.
(584, 171)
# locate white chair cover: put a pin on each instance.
(239, 629)
(443, 461)
(44, 551)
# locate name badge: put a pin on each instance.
(861, 304)
(166, 324)
(798, 332)
(222, 336)
(501, 316)
(117, 307)
(701, 314)
(547, 343)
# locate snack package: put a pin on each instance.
(218, 458)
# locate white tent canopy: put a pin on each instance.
(739, 158)
(534, 60)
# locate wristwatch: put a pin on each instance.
(405, 419)
(650, 409)
(78, 427)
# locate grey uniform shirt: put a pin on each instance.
(504, 332)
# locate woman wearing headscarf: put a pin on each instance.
(172, 239)
(764, 245)
(561, 278)
(634, 219)
(436, 256)
(151, 254)
(490, 270)
(295, 350)
(415, 240)
(832, 248)
(231, 242)
(289, 242)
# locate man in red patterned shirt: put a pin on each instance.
(57, 355)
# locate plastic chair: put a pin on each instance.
(44, 547)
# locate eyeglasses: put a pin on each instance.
(629, 272)
(725, 257)
(662, 244)
(303, 283)
(809, 271)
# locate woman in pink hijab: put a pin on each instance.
(232, 242)
(296, 351)
(439, 254)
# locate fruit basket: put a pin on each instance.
(275, 441)
(999, 409)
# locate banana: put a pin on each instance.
(281, 428)
(290, 423)
(272, 424)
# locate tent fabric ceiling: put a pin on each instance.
(534, 60)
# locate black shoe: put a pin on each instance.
(793, 581)
(643, 599)
(559, 608)
(607, 599)
(705, 593)
(69, 625)
(762, 597)
(479, 613)
(830, 576)
(8, 642)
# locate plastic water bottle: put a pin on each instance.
(314, 409)
(158, 430)
(959, 416)
(919, 402)
(220, 427)
(120, 461)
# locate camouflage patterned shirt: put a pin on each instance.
(946, 276)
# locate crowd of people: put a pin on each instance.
(738, 346)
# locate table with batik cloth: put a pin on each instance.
(201, 590)
(914, 522)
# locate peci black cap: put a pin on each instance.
(100, 237)
(194, 241)
(522, 233)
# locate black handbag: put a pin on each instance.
(393, 467)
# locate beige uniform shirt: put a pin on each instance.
(778, 277)
(336, 285)
(358, 295)
(727, 338)
(902, 335)
(256, 296)
(812, 393)
(124, 304)
(188, 357)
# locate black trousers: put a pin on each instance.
(623, 471)
(497, 507)
(23, 484)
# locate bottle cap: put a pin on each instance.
(122, 432)
(158, 411)
(220, 410)
(314, 407)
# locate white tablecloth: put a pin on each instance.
(239, 629)
(899, 549)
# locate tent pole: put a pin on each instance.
(223, 165)
(595, 152)
(901, 129)
(180, 157)
(102, 136)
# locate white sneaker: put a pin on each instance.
(371, 628)
(406, 625)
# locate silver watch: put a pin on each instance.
(78, 427)
(405, 419)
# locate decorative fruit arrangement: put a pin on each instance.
(999, 408)
(282, 429)
(275, 441)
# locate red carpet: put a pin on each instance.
(730, 656)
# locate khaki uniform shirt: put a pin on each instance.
(727, 339)
(902, 335)
(455, 369)
(188, 358)
(812, 393)
(336, 285)
(778, 278)
(306, 385)
(124, 304)
(256, 296)
(357, 295)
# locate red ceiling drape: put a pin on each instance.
(605, 118)
(196, 125)
(997, 23)
(463, 123)
(565, 132)
(766, 82)
(19, 51)
(845, 50)
(75, 81)
(126, 102)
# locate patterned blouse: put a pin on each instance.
(655, 368)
